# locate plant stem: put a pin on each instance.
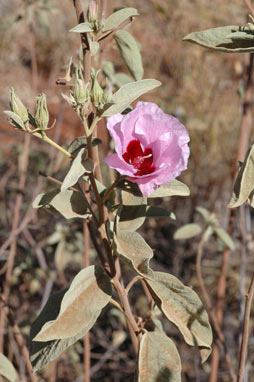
(210, 308)
(132, 325)
(246, 324)
(52, 143)
(111, 188)
(115, 303)
(87, 346)
(132, 282)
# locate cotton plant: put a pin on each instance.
(151, 149)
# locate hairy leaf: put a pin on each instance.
(130, 53)
(41, 353)
(121, 79)
(70, 204)
(182, 306)
(15, 120)
(82, 28)
(7, 370)
(174, 188)
(81, 305)
(224, 237)
(131, 214)
(203, 212)
(129, 93)
(244, 183)
(77, 169)
(226, 39)
(137, 253)
(187, 231)
(158, 359)
(117, 18)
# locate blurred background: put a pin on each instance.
(203, 88)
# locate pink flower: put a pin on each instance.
(151, 146)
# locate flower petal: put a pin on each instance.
(114, 161)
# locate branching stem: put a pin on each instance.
(246, 324)
(211, 310)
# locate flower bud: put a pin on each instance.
(96, 91)
(80, 93)
(41, 112)
(18, 107)
(92, 12)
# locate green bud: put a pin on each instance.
(80, 93)
(92, 12)
(96, 91)
(41, 112)
(18, 107)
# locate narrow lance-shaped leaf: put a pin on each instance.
(7, 370)
(182, 306)
(203, 212)
(158, 359)
(244, 183)
(135, 251)
(224, 237)
(187, 231)
(117, 18)
(129, 93)
(80, 307)
(82, 28)
(130, 53)
(15, 120)
(70, 204)
(225, 39)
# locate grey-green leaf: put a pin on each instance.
(121, 79)
(131, 214)
(82, 28)
(243, 35)
(187, 231)
(203, 212)
(7, 370)
(117, 18)
(15, 120)
(225, 39)
(70, 204)
(182, 306)
(88, 294)
(130, 53)
(244, 183)
(76, 170)
(41, 353)
(158, 359)
(174, 188)
(129, 93)
(225, 238)
(135, 251)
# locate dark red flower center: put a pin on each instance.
(141, 160)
